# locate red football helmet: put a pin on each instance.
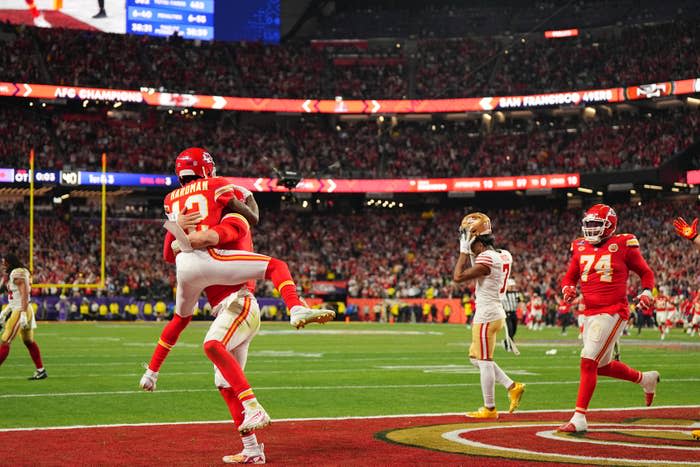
(195, 162)
(599, 223)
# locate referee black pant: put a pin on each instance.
(512, 323)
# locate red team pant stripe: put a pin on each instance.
(237, 322)
(484, 341)
(610, 338)
(237, 257)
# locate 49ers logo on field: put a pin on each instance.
(620, 438)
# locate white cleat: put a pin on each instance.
(148, 380)
(574, 426)
(41, 22)
(301, 316)
(254, 418)
(252, 456)
(649, 381)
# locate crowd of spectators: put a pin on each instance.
(434, 68)
(354, 247)
(147, 141)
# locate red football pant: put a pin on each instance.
(168, 338)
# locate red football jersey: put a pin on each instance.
(209, 196)
(563, 307)
(603, 271)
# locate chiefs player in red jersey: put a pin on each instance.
(688, 231)
(227, 262)
(601, 261)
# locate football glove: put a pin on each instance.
(684, 230)
(23, 321)
(464, 246)
(645, 300)
(569, 293)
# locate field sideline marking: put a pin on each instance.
(313, 419)
(304, 388)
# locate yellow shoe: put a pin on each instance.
(483, 412)
(514, 396)
(695, 434)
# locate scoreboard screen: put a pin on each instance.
(190, 19)
(223, 20)
(252, 20)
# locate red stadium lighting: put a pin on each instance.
(694, 177)
(559, 33)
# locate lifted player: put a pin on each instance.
(601, 261)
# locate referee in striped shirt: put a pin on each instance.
(510, 305)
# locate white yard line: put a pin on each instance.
(311, 419)
(308, 388)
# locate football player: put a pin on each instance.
(661, 309)
(601, 262)
(18, 315)
(536, 308)
(688, 231)
(566, 316)
(479, 260)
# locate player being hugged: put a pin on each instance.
(601, 261)
(479, 260)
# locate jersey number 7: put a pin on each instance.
(506, 273)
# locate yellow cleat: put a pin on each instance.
(695, 434)
(514, 396)
(483, 412)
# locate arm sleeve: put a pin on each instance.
(168, 254)
(636, 263)
(232, 227)
(573, 273)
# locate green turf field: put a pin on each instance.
(333, 370)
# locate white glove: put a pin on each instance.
(23, 321)
(148, 380)
(464, 246)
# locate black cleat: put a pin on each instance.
(100, 14)
(38, 374)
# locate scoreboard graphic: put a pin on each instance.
(190, 19)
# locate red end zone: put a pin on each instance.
(621, 437)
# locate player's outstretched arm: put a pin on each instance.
(688, 231)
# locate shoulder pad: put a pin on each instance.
(629, 240)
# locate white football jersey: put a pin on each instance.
(14, 297)
(491, 289)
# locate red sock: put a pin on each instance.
(32, 8)
(278, 273)
(229, 368)
(235, 406)
(586, 386)
(35, 354)
(4, 352)
(619, 370)
(168, 338)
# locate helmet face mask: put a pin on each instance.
(599, 223)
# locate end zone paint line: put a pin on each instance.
(349, 417)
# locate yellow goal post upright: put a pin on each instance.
(103, 229)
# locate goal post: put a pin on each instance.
(103, 229)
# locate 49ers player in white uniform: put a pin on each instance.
(479, 260)
(601, 261)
